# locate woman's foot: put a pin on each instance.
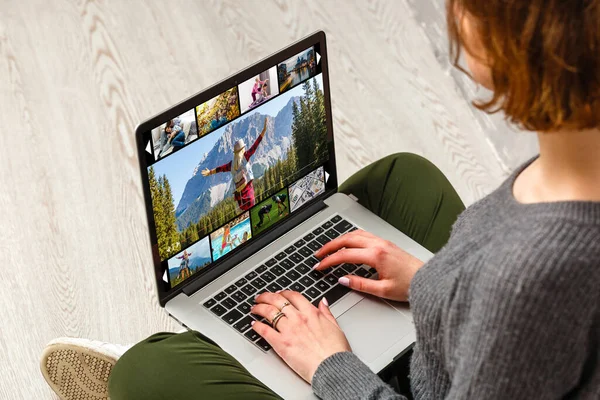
(78, 369)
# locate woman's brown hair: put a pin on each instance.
(544, 57)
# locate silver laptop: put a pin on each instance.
(240, 185)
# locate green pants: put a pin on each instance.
(404, 189)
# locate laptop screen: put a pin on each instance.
(232, 167)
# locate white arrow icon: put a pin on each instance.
(165, 277)
(326, 176)
(318, 58)
(148, 148)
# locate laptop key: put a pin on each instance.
(343, 226)
(259, 283)
(220, 296)
(372, 270)
(273, 287)
(311, 261)
(209, 303)
(323, 240)
(293, 275)
(261, 269)
(286, 264)
(362, 273)
(244, 324)
(218, 310)
(229, 303)
(232, 316)
(263, 344)
(277, 270)
(230, 289)
(339, 272)
(268, 277)
(296, 287)
(252, 335)
(349, 268)
(322, 285)
(332, 234)
(336, 219)
(299, 243)
(332, 280)
(244, 308)
(306, 281)
(283, 281)
(239, 296)
(290, 250)
(302, 268)
(305, 252)
(241, 282)
(308, 237)
(333, 295)
(251, 275)
(318, 231)
(296, 258)
(280, 256)
(312, 292)
(316, 275)
(327, 225)
(271, 262)
(353, 229)
(314, 246)
(249, 289)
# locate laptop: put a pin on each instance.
(240, 185)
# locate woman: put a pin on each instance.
(509, 307)
(241, 171)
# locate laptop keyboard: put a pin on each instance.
(290, 269)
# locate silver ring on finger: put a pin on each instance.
(276, 319)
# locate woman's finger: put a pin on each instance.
(269, 312)
(350, 256)
(298, 301)
(377, 288)
(274, 299)
(324, 308)
(267, 332)
(264, 310)
(352, 239)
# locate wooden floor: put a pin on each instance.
(77, 76)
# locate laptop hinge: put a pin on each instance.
(259, 243)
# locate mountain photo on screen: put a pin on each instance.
(276, 143)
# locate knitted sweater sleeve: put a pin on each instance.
(529, 331)
(343, 376)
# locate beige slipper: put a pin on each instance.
(78, 369)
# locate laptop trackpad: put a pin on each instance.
(373, 326)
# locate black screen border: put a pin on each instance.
(142, 132)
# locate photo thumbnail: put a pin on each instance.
(270, 211)
(307, 188)
(189, 262)
(174, 134)
(296, 69)
(227, 172)
(217, 111)
(230, 236)
(258, 89)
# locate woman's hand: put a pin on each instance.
(206, 172)
(396, 267)
(305, 336)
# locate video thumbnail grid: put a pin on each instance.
(248, 151)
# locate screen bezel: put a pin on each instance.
(142, 133)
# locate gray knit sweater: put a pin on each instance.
(508, 309)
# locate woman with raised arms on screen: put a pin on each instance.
(241, 171)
